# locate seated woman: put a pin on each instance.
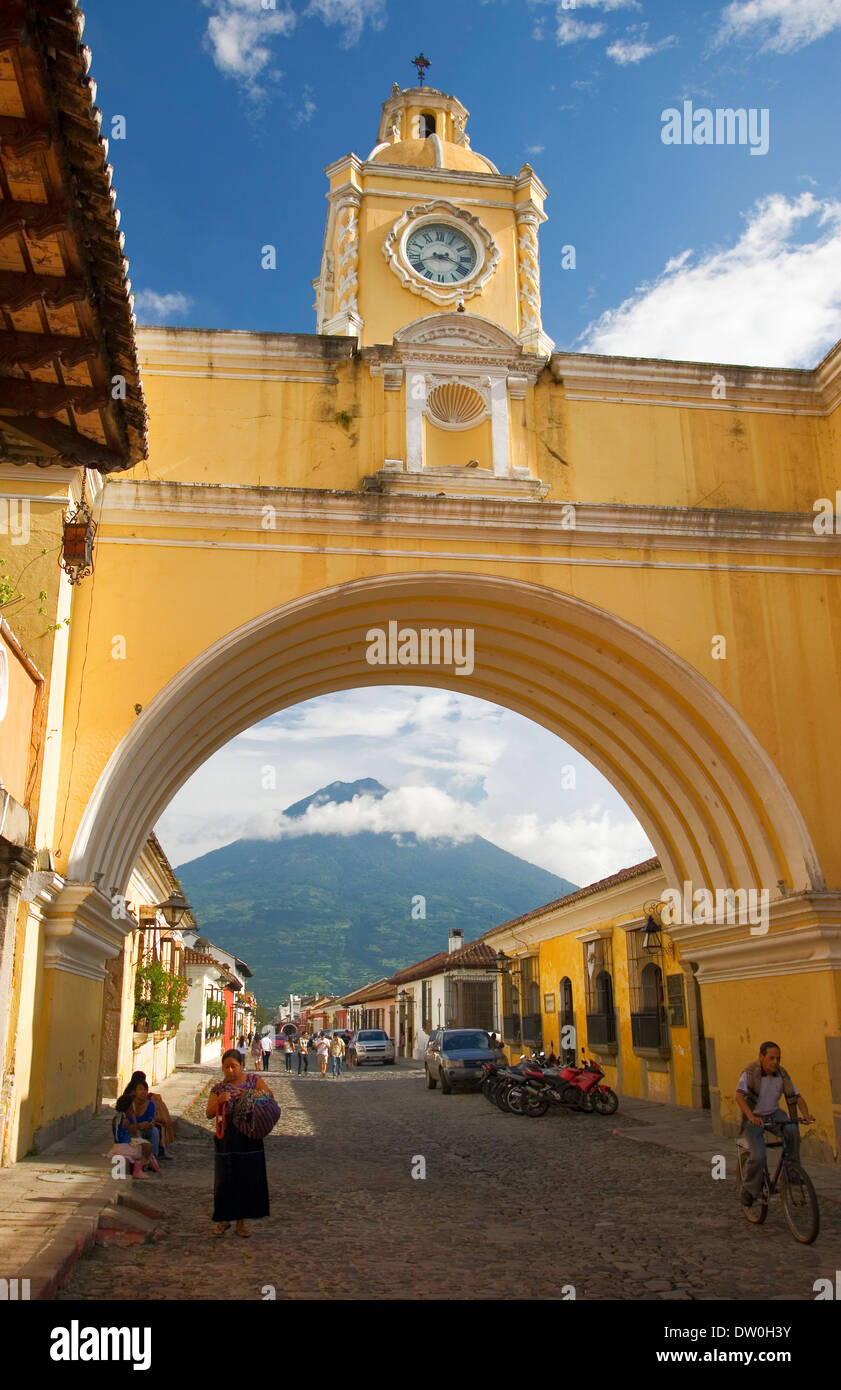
(163, 1119)
(240, 1188)
(129, 1143)
(140, 1116)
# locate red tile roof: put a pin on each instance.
(635, 871)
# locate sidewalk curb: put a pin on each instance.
(56, 1261)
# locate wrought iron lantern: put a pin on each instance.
(77, 543)
(652, 940)
(174, 908)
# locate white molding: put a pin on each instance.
(488, 254)
(460, 483)
(163, 504)
(425, 174)
(80, 934)
(804, 937)
(686, 384)
(379, 552)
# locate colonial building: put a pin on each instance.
(424, 475)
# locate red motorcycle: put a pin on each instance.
(587, 1079)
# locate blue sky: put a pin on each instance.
(233, 107)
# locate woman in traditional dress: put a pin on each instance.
(163, 1119)
(240, 1188)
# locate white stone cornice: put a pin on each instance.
(158, 504)
(639, 380)
(232, 353)
(804, 937)
(425, 174)
(454, 482)
(352, 160)
(80, 931)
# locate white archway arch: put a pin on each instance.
(710, 799)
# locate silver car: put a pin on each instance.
(374, 1045)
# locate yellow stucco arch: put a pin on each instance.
(712, 802)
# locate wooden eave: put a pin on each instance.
(67, 329)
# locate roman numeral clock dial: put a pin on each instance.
(441, 254)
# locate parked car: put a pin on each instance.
(457, 1056)
(374, 1045)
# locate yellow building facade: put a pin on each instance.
(633, 552)
(591, 981)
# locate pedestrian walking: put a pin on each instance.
(322, 1048)
(301, 1049)
(266, 1046)
(289, 1050)
(256, 1050)
(350, 1051)
(337, 1052)
(240, 1187)
(240, 1047)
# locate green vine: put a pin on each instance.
(158, 997)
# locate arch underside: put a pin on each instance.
(712, 803)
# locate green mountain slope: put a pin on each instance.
(335, 911)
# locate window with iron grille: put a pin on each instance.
(647, 1000)
(426, 1006)
(522, 1020)
(471, 1003)
(598, 976)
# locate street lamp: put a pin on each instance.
(174, 908)
(652, 941)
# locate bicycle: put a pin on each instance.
(800, 1202)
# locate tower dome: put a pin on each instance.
(426, 129)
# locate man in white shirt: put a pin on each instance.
(758, 1094)
(267, 1047)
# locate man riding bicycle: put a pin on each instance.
(758, 1094)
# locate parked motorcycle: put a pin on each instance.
(519, 1091)
(587, 1079)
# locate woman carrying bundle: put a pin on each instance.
(244, 1108)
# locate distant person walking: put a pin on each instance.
(266, 1046)
(240, 1188)
(322, 1047)
(289, 1049)
(301, 1049)
(337, 1052)
(256, 1051)
(240, 1047)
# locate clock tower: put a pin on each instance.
(424, 224)
(430, 262)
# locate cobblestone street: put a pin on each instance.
(510, 1207)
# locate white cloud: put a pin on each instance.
(634, 49)
(239, 37)
(307, 107)
(782, 26)
(770, 299)
(241, 34)
(156, 306)
(535, 149)
(576, 847)
(456, 766)
(574, 30)
(351, 14)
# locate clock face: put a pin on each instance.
(440, 253)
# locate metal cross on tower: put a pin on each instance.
(421, 63)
